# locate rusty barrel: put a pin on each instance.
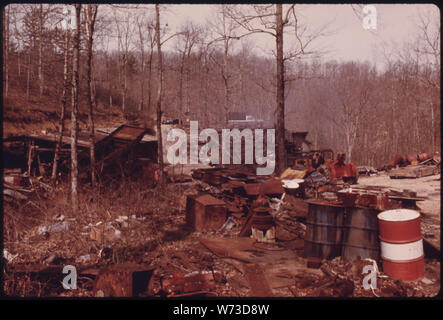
(263, 226)
(401, 244)
(360, 234)
(324, 224)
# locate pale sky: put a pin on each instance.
(349, 41)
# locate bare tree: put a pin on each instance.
(159, 93)
(271, 20)
(40, 50)
(263, 15)
(353, 89)
(187, 40)
(91, 17)
(5, 20)
(125, 31)
(63, 104)
(74, 120)
(225, 32)
(145, 35)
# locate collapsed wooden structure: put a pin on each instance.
(116, 151)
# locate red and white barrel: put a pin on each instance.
(401, 244)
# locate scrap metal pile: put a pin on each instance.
(233, 233)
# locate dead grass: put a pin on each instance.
(21, 116)
(155, 221)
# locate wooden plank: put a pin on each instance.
(406, 172)
(257, 281)
(413, 172)
(427, 171)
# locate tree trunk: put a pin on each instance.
(188, 81)
(92, 14)
(124, 87)
(159, 94)
(149, 80)
(280, 114)
(40, 51)
(225, 79)
(142, 82)
(6, 47)
(28, 76)
(180, 92)
(63, 108)
(74, 125)
(109, 84)
(19, 64)
(434, 147)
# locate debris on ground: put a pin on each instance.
(227, 232)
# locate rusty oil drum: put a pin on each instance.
(360, 234)
(323, 230)
(401, 244)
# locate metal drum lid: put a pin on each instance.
(398, 215)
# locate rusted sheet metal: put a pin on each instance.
(214, 178)
(272, 186)
(129, 133)
(343, 170)
(83, 138)
(198, 281)
(252, 189)
(367, 200)
(208, 200)
(205, 212)
(347, 198)
(257, 281)
(269, 187)
(124, 280)
(242, 249)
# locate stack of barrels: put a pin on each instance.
(336, 230)
(351, 232)
(401, 244)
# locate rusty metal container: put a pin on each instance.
(347, 198)
(401, 244)
(123, 280)
(360, 234)
(204, 212)
(399, 226)
(263, 226)
(294, 187)
(324, 229)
